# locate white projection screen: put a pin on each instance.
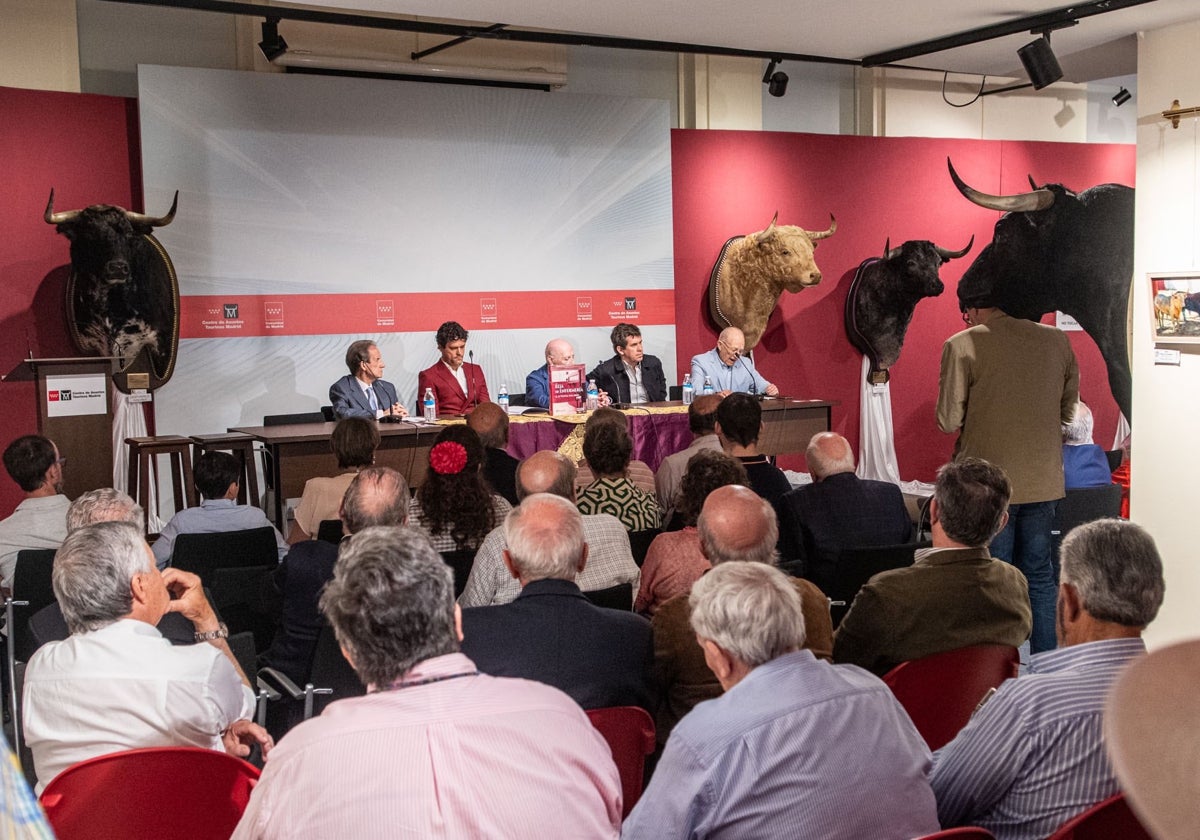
(317, 210)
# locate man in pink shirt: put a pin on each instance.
(435, 749)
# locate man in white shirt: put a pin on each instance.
(116, 684)
(40, 520)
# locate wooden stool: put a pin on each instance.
(143, 451)
(241, 446)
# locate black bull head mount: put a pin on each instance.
(1056, 250)
(123, 295)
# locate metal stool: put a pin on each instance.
(143, 451)
(241, 446)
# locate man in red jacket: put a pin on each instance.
(458, 386)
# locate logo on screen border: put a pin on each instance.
(489, 311)
(273, 314)
(385, 313)
(583, 309)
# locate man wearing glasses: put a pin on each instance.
(40, 520)
(728, 367)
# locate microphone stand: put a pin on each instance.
(753, 385)
(617, 404)
(471, 378)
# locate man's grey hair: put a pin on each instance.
(545, 537)
(718, 551)
(376, 496)
(1079, 430)
(752, 611)
(93, 573)
(829, 454)
(1114, 566)
(103, 505)
(391, 602)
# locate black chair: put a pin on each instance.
(1114, 456)
(675, 392)
(31, 583)
(639, 543)
(290, 419)
(856, 566)
(330, 530)
(327, 413)
(461, 562)
(516, 399)
(234, 566)
(1081, 505)
(331, 670)
(619, 597)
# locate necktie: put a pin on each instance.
(372, 399)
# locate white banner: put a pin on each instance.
(73, 396)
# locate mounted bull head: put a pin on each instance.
(123, 294)
(752, 272)
(1055, 250)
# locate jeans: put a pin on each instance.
(1026, 543)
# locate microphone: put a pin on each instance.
(470, 378)
(616, 387)
(753, 384)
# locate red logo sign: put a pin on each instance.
(489, 312)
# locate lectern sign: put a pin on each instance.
(72, 396)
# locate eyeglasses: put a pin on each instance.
(966, 316)
(61, 460)
(737, 351)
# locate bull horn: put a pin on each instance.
(63, 218)
(1032, 183)
(161, 221)
(774, 219)
(815, 235)
(953, 255)
(888, 251)
(1039, 199)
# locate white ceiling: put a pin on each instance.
(1101, 46)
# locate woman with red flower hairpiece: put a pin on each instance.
(455, 505)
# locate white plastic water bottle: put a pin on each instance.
(593, 396)
(502, 397)
(430, 405)
(689, 390)
(708, 389)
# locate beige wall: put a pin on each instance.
(38, 45)
(1166, 400)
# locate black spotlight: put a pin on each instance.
(272, 43)
(1040, 63)
(776, 82)
(1121, 97)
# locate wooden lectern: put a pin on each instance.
(75, 410)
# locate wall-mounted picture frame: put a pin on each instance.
(1175, 306)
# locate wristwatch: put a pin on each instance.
(222, 632)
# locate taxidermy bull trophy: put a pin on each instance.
(752, 271)
(883, 295)
(123, 295)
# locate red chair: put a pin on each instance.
(159, 793)
(940, 692)
(1109, 820)
(966, 832)
(629, 732)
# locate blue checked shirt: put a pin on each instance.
(1033, 756)
(21, 817)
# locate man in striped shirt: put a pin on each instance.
(1033, 757)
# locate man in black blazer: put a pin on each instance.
(838, 510)
(552, 633)
(351, 396)
(630, 376)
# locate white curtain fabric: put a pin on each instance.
(876, 439)
(1123, 431)
(129, 420)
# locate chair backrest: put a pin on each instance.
(461, 562)
(675, 392)
(203, 554)
(160, 793)
(289, 419)
(619, 597)
(940, 692)
(330, 531)
(966, 832)
(629, 732)
(639, 544)
(331, 670)
(31, 582)
(856, 566)
(1114, 458)
(1086, 504)
(1108, 820)
(327, 413)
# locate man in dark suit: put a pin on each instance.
(499, 468)
(457, 385)
(838, 510)
(362, 392)
(630, 376)
(377, 496)
(552, 633)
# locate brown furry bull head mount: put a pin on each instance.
(752, 271)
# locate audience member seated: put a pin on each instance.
(727, 368)
(1033, 756)
(675, 560)
(552, 633)
(954, 595)
(435, 749)
(610, 561)
(537, 384)
(838, 510)
(735, 524)
(1084, 463)
(354, 441)
(116, 683)
(638, 472)
(607, 448)
(103, 505)
(739, 422)
(40, 520)
(458, 385)
(217, 476)
(490, 422)
(702, 421)
(376, 496)
(455, 506)
(795, 747)
(364, 392)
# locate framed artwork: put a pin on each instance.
(1175, 306)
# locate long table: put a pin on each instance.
(297, 452)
